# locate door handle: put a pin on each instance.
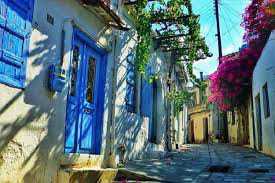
(88, 111)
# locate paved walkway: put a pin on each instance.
(191, 163)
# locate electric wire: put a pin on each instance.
(230, 36)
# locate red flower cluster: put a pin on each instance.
(258, 21)
(230, 83)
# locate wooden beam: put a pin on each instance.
(170, 36)
(170, 19)
(128, 2)
(174, 49)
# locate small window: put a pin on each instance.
(131, 84)
(203, 97)
(266, 101)
(75, 70)
(91, 80)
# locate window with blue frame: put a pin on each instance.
(15, 29)
(131, 84)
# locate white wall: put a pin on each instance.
(32, 120)
(264, 72)
(131, 129)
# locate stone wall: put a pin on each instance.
(238, 126)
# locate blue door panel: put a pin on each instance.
(86, 140)
(72, 116)
(85, 94)
(100, 105)
(71, 127)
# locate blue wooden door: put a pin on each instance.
(147, 101)
(84, 101)
(15, 29)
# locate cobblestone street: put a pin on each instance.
(191, 164)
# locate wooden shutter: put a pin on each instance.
(131, 76)
(15, 29)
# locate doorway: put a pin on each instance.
(192, 134)
(259, 122)
(205, 124)
(85, 99)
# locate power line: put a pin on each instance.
(228, 15)
(211, 27)
(229, 31)
(201, 70)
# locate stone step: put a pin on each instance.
(102, 175)
(136, 176)
(86, 175)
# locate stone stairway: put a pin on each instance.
(101, 175)
(86, 175)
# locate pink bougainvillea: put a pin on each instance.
(230, 83)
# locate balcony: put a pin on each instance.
(198, 108)
(103, 8)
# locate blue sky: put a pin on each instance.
(231, 31)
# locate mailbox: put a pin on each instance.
(57, 78)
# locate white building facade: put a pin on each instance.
(262, 130)
(102, 109)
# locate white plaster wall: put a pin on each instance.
(184, 134)
(131, 129)
(32, 120)
(264, 72)
(182, 126)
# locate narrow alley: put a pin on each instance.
(137, 91)
(192, 163)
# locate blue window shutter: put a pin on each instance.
(130, 91)
(146, 95)
(15, 27)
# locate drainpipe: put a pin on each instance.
(62, 46)
(114, 80)
(63, 34)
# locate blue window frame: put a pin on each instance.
(131, 84)
(15, 28)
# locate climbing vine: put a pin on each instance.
(180, 98)
(171, 26)
(144, 36)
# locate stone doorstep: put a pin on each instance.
(140, 176)
(101, 175)
(86, 175)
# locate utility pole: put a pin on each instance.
(220, 53)
(218, 28)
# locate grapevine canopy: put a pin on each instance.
(173, 27)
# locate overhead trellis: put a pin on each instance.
(173, 27)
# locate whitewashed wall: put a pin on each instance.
(32, 120)
(264, 72)
(131, 129)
